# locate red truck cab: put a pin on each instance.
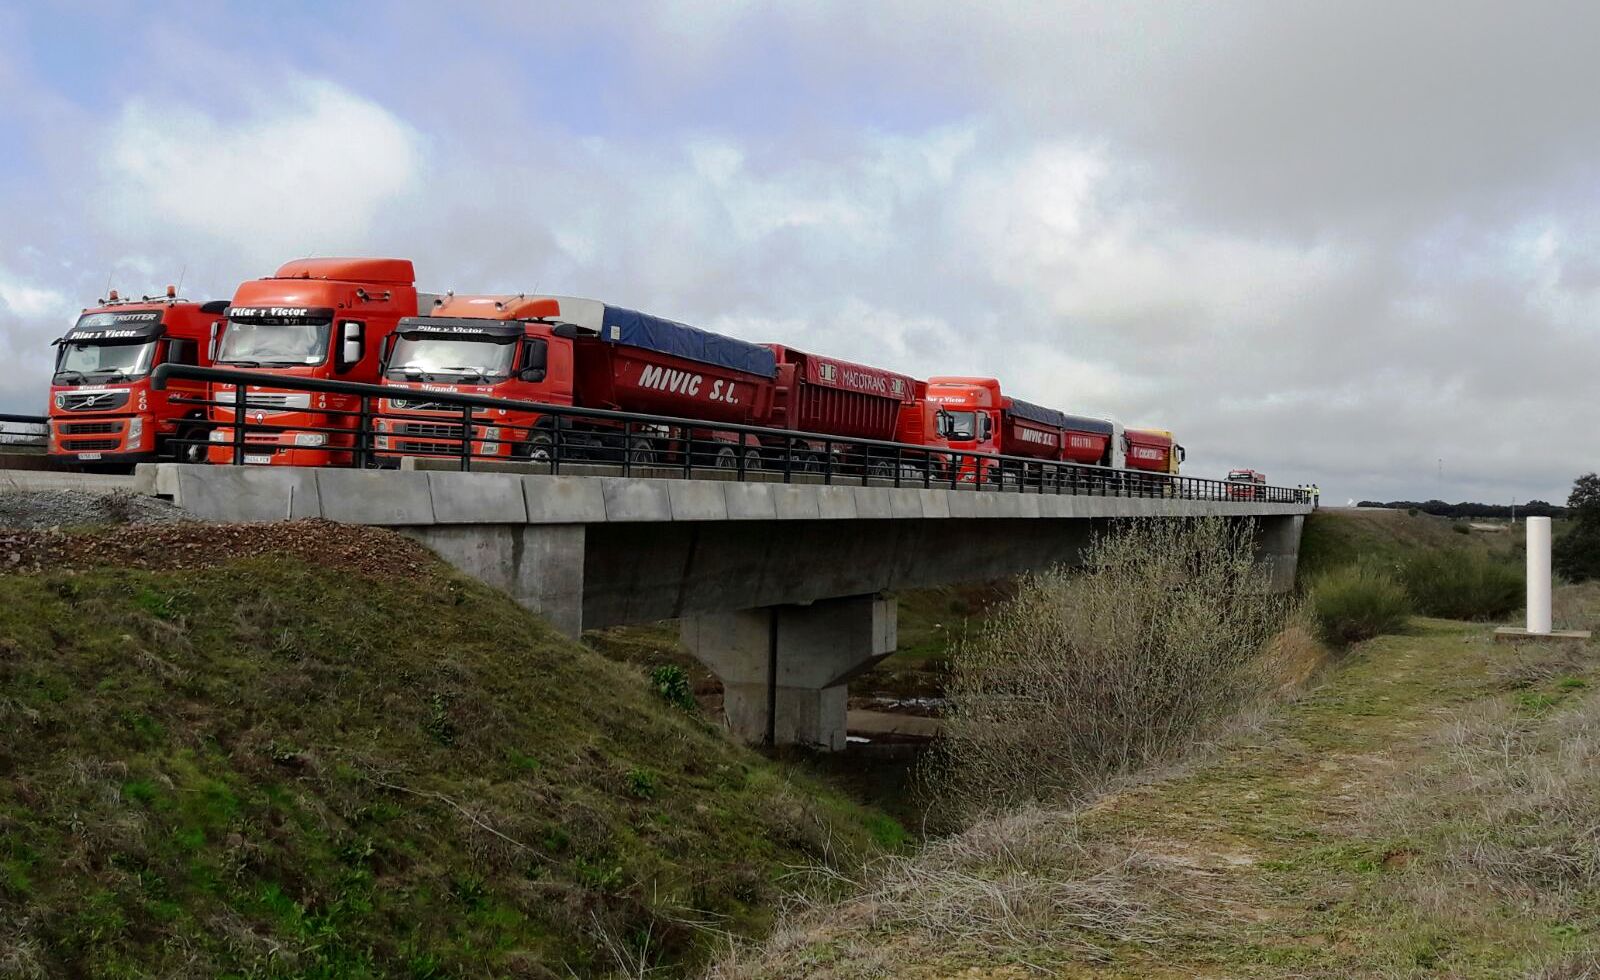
(1245, 484)
(314, 318)
(102, 409)
(495, 346)
(966, 415)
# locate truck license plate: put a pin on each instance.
(88, 455)
(258, 460)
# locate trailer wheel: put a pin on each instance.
(726, 459)
(881, 470)
(910, 473)
(752, 460)
(641, 451)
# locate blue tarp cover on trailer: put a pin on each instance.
(1080, 423)
(637, 329)
(1038, 413)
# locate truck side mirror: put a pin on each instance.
(536, 360)
(216, 338)
(985, 427)
(352, 344)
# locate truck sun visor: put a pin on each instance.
(120, 327)
(634, 329)
(492, 331)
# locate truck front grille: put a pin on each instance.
(89, 445)
(89, 428)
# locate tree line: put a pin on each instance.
(1439, 508)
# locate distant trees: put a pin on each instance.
(1576, 554)
(1438, 508)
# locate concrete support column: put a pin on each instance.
(786, 670)
(538, 565)
(1278, 549)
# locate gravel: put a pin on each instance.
(194, 545)
(42, 509)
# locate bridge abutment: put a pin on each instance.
(786, 670)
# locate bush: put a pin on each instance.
(1464, 585)
(1358, 602)
(672, 684)
(1082, 676)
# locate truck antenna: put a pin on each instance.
(181, 273)
(109, 273)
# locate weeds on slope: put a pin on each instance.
(1083, 676)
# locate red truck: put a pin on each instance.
(976, 416)
(569, 351)
(1245, 484)
(313, 318)
(102, 409)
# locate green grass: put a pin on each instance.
(1464, 584)
(277, 769)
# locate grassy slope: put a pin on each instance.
(1342, 838)
(1339, 537)
(272, 768)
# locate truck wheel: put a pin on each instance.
(752, 460)
(190, 445)
(881, 470)
(641, 452)
(909, 473)
(538, 448)
(726, 459)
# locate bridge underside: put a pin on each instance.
(781, 589)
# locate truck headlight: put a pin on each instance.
(217, 435)
(491, 441)
(381, 442)
(310, 439)
(136, 429)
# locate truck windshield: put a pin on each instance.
(457, 357)
(958, 426)
(250, 344)
(81, 362)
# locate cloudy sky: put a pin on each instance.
(1354, 243)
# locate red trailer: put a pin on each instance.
(1086, 440)
(837, 398)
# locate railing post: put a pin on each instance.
(687, 442)
(363, 439)
(827, 462)
(238, 423)
(466, 436)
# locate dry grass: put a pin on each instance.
(1081, 677)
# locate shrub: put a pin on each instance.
(1464, 585)
(1080, 677)
(1358, 602)
(672, 684)
(1460, 528)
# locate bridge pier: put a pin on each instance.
(786, 669)
(1278, 549)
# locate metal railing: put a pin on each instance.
(359, 428)
(31, 432)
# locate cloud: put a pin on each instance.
(306, 169)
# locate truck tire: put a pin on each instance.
(726, 459)
(538, 448)
(752, 460)
(641, 452)
(881, 469)
(190, 445)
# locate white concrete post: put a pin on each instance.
(1539, 575)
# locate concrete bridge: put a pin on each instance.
(785, 590)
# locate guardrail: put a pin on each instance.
(360, 427)
(24, 432)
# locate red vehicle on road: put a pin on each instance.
(1152, 458)
(559, 350)
(313, 318)
(838, 398)
(1245, 484)
(102, 408)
